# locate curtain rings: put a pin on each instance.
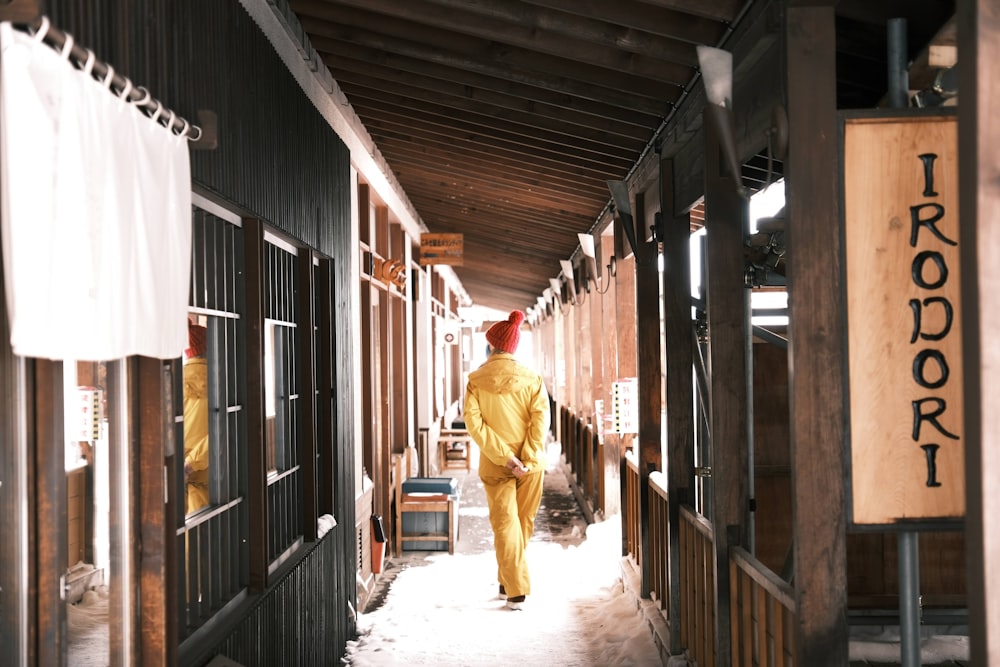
(146, 96)
(109, 76)
(67, 48)
(43, 30)
(88, 66)
(126, 90)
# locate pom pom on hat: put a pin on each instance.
(197, 340)
(504, 336)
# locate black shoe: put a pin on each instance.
(515, 603)
(502, 595)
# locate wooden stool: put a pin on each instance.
(455, 447)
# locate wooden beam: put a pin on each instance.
(49, 447)
(582, 129)
(157, 631)
(540, 155)
(528, 85)
(307, 353)
(648, 364)
(444, 82)
(680, 22)
(428, 22)
(817, 391)
(253, 231)
(326, 443)
(725, 213)
(679, 335)
(979, 223)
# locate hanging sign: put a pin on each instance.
(625, 406)
(88, 414)
(901, 244)
(441, 249)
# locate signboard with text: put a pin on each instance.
(441, 249)
(903, 290)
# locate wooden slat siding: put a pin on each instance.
(297, 622)
(257, 511)
(979, 192)
(306, 363)
(678, 391)
(816, 338)
(698, 587)
(763, 605)
(157, 610)
(659, 543)
(48, 445)
(725, 213)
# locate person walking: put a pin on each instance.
(507, 415)
(196, 442)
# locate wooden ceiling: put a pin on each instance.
(503, 119)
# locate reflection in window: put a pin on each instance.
(196, 440)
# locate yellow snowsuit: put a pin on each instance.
(507, 415)
(196, 432)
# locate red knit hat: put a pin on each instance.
(504, 336)
(196, 340)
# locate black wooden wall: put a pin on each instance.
(278, 160)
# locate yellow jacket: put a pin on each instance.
(196, 431)
(507, 414)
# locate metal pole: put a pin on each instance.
(909, 556)
(899, 79)
(909, 598)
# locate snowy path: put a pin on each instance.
(443, 610)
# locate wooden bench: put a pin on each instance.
(455, 448)
(422, 502)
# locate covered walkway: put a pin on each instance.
(429, 608)
(436, 609)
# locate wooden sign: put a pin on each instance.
(441, 249)
(904, 320)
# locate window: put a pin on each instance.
(211, 395)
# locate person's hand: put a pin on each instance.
(515, 466)
(187, 469)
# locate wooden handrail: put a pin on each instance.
(771, 583)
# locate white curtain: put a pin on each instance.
(96, 214)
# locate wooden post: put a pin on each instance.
(817, 391)
(679, 336)
(326, 439)
(48, 447)
(256, 463)
(725, 211)
(979, 223)
(155, 621)
(306, 361)
(647, 331)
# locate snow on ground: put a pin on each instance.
(446, 612)
(443, 609)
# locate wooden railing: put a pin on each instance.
(584, 455)
(697, 576)
(762, 613)
(632, 526)
(659, 542)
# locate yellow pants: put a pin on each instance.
(513, 503)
